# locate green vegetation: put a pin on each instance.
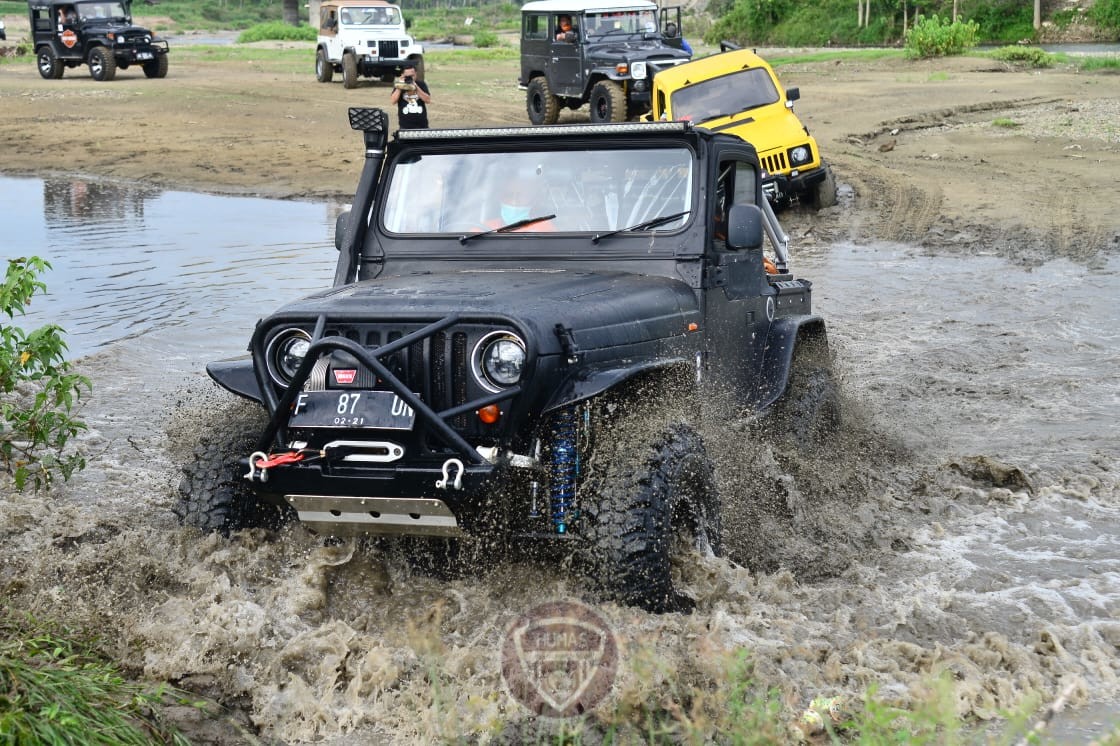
(1106, 14)
(277, 31)
(1098, 63)
(38, 389)
(443, 23)
(1006, 123)
(58, 691)
(940, 37)
(1030, 56)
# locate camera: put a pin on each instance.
(409, 79)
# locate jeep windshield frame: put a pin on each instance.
(432, 199)
(724, 96)
(600, 24)
(352, 16)
(93, 11)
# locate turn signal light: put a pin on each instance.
(489, 414)
(693, 326)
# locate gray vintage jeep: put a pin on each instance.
(527, 329)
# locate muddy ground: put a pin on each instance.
(915, 140)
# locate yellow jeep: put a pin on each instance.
(737, 92)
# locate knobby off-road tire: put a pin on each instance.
(324, 72)
(647, 495)
(156, 68)
(541, 105)
(213, 493)
(809, 411)
(608, 102)
(50, 67)
(102, 65)
(824, 191)
(349, 71)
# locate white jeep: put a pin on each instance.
(362, 38)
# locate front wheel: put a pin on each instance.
(323, 70)
(349, 71)
(156, 68)
(809, 411)
(213, 493)
(608, 102)
(542, 106)
(102, 65)
(50, 67)
(824, 191)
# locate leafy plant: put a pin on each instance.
(940, 37)
(1032, 56)
(277, 31)
(1106, 13)
(38, 388)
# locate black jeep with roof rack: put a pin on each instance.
(98, 33)
(526, 331)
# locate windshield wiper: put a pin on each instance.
(720, 116)
(506, 228)
(646, 225)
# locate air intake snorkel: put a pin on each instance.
(374, 126)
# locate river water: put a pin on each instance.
(967, 522)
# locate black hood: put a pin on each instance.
(603, 309)
(614, 50)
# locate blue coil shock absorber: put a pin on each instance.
(564, 470)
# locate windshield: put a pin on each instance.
(93, 11)
(727, 94)
(578, 191)
(373, 15)
(621, 23)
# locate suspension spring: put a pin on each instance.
(564, 469)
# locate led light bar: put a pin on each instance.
(545, 131)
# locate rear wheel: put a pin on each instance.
(156, 68)
(323, 70)
(543, 107)
(102, 65)
(349, 71)
(50, 67)
(213, 493)
(608, 102)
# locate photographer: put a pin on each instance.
(412, 99)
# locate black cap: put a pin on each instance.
(408, 66)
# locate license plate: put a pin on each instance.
(382, 410)
(144, 55)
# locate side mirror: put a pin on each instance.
(744, 227)
(340, 228)
(793, 94)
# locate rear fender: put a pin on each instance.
(593, 381)
(786, 335)
(236, 376)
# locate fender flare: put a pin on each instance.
(589, 382)
(781, 343)
(236, 376)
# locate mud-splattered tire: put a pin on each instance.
(608, 102)
(809, 411)
(102, 65)
(213, 494)
(824, 191)
(646, 495)
(324, 73)
(349, 71)
(541, 105)
(156, 68)
(50, 66)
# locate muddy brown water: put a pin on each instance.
(967, 521)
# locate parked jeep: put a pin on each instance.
(605, 58)
(364, 38)
(737, 92)
(98, 33)
(527, 328)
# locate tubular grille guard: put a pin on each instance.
(280, 410)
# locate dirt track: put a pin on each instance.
(914, 140)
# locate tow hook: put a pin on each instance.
(253, 475)
(457, 483)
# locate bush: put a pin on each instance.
(485, 39)
(1032, 56)
(1106, 14)
(277, 31)
(937, 37)
(38, 390)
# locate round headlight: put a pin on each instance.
(285, 353)
(499, 360)
(800, 155)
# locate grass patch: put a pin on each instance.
(60, 691)
(1089, 64)
(277, 31)
(1029, 56)
(851, 55)
(1006, 123)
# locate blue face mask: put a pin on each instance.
(513, 213)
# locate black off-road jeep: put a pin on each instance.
(527, 329)
(605, 58)
(98, 33)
